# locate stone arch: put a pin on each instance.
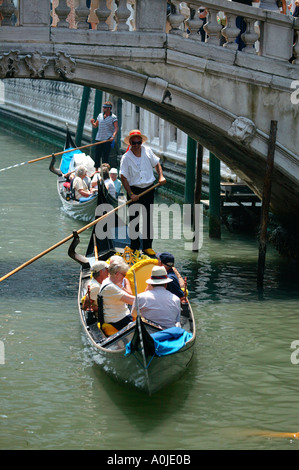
(234, 139)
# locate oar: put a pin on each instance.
(91, 224)
(54, 154)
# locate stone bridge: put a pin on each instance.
(223, 98)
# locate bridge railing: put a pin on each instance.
(266, 33)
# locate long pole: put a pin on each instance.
(69, 237)
(54, 154)
(266, 204)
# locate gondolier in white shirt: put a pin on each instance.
(107, 125)
(136, 172)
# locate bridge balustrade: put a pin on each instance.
(267, 33)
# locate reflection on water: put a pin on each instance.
(240, 388)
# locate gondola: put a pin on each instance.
(142, 354)
(84, 209)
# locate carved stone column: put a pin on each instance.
(103, 14)
(82, 12)
(7, 9)
(212, 27)
(122, 14)
(194, 22)
(230, 32)
(250, 36)
(176, 19)
(62, 11)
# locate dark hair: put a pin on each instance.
(106, 174)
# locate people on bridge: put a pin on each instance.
(157, 304)
(107, 124)
(136, 170)
(272, 5)
(296, 10)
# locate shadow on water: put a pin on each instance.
(225, 280)
(143, 411)
(42, 278)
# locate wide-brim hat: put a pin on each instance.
(134, 133)
(159, 276)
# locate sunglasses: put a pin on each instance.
(139, 142)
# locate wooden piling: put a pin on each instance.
(214, 197)
(198, 185)
(266, 204)
(190, 171)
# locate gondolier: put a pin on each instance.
(107, 125)
(136, 172)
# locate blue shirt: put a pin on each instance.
(117, 185)
(174, 286)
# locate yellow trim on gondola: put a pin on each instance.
(141, 273)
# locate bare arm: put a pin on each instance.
(161, 178)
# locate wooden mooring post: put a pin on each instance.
(214, 197)
(266, 204)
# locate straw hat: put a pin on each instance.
(134, 133)
(159, 276)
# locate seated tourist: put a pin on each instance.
(115, 298)
(99, 272)
(80, 185)
(109, 183)
(125, 283)
(157, 304)
(167, 260)
(117, 183)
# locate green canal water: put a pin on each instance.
(240, 390)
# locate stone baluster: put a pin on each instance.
(175, 18)
(7, 9)
(230, 32)
(212, 27)
(122, 13)
(250, 36)
(62, 11)
(82, 12)
(103, 14)
(194, 22)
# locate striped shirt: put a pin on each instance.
(106, 126)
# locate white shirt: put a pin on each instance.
(139, 170)
(95, 287)
(160, 306)
(110, 187)
(79, 183)
(114, 309)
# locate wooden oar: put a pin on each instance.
(91, 224)
(54, 154)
